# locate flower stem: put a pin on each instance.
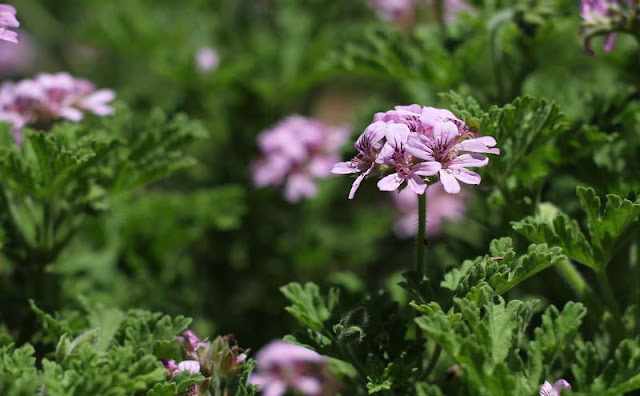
(422, 231)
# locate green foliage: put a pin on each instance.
(84, 364)
(607, 229)
(619, 375)
(527, 131)
(309, 307)
(502, 268)
(488, 339)
(58, 178)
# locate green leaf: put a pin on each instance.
(619, 376)
(555, 333)
(503, 269)
(607, 228)
(308, 306)
(560, 231)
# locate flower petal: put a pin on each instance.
(561, 384)
(466, 176)
(468, 160)
(546, 389)
(428, 168)
(416, 184)
(418, 146)
(345, 168)
(449, 182)
(478, 145)
(390, 183)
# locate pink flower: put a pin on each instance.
(398, 10)
(285, 366)
(8, 20)
(444, 143)
(598, 15)
(554, 390)
(410, 143)
(48, 97)
(392, 10)
(440, 206)
(17, 58)
(191, 366)
(395, 153)
(368, 145)
(207, 59)
(297, 152)
(190, 343)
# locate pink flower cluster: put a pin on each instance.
(597, 15)
(554, 390)
(285, 366)
(398, 10)
(296, 152)
(216, 359)
(47, 97)
(407, 145)
(441, 206)
(392, 10)
(8, 20)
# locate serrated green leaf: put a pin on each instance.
(308, 306)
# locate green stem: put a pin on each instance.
(575, 280)
(434, 360)
(422, 231)
(614, 308)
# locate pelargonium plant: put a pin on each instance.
(8, 20)
(297, 152)
(47, 97)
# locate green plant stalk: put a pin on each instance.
(605, 285)
(575, 280)
(422, 231)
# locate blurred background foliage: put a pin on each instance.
(207, 244)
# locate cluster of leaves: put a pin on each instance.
(102, 351)
(56, 179)
(607, 228)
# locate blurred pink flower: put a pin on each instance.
(8, 20)
(296, 152)
(597, 14)
(48, 97)
(397, 10)
(554, 390)
(440, 206)
(392, 10)
(283, 366)
(17, 58)
(207, 59)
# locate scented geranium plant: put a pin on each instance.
(482, 240)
